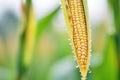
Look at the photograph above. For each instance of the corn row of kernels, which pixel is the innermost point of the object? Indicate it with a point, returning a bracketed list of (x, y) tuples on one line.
[(80, 37)]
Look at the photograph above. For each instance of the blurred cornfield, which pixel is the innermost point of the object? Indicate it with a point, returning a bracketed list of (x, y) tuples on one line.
[(34, 43)]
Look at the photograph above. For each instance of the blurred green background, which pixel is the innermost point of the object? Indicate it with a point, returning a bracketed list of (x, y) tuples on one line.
[(52, 57)]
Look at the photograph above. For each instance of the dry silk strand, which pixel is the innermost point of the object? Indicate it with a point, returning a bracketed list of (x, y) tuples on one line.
[(75, 13)]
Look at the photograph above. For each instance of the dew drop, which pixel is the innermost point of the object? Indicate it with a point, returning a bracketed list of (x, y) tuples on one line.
[(77, 66), (66, 30), (91, 41), (83, 78), (90, 50), (90, 55), (60, 3), (68, 39), (70, 44), (72, 51), (74, 59), (90, 72)]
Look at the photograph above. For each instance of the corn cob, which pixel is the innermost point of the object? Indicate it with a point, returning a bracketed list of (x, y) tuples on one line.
[(30, 36), (29, 30), (78, 27)]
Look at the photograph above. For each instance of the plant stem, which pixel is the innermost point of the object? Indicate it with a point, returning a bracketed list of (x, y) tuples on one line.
[(21, 67), (115, 5)]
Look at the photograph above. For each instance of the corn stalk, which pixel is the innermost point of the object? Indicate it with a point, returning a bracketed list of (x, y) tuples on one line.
[(115, 6), (27, 36)]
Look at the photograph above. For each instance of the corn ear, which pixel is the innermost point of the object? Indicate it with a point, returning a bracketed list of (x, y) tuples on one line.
[(75, 12), (30, 37), (28, 28)]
